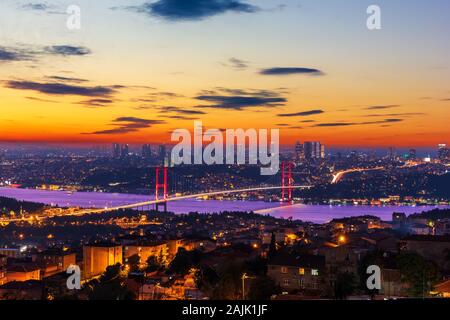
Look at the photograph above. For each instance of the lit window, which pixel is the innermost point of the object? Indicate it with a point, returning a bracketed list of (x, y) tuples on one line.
[(284, 270), (301, 271), (286, 282), (314, 272)]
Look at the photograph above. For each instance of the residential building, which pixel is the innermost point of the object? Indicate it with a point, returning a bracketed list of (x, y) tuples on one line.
[(303, 272), (97, 257)]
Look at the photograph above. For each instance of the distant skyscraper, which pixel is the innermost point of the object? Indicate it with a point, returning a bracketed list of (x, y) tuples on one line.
[(116, 150), (392, 153), (322, 151), (313, 150), (412, 154), (443, 151), (308, 150), (146, 151), (299, 154), (162, 153), (124, 151)]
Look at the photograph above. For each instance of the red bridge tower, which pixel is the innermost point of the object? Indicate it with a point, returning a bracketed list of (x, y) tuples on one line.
[(159, 186), (286, 181)]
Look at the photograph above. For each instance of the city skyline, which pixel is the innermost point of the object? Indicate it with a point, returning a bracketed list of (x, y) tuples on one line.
[(313, 70)]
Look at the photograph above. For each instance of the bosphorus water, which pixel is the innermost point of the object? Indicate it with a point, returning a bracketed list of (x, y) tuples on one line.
[(305, 212)]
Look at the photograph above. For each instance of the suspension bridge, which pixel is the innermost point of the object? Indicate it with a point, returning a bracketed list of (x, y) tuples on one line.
[(162, 196)]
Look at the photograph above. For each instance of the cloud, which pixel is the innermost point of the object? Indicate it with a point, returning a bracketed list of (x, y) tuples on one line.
[(192, 10), (290, 71), (30, 53), (179, 117), (236, 64), (390, 106), (36, 6), (180, 110), (346, 124), (125, 125), (238, 99), (67, 79), (41, 100), (61, 88), (335, 124), (66, 50), (41, 7), (166, 95), (406, 114), (301, 114), (100, 102), (14, 54)]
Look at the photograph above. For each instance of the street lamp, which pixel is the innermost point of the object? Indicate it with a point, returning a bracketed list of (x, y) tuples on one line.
[(244, 276)]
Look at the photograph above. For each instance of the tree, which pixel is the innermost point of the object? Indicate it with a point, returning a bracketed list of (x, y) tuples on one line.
[(153, 264), (418, 272), (229, 286), (257, 266), (272, 247), (344, 286), (262, 288), (134, 262), (206, 279), (181, 263), (184, 261), (110, 285)]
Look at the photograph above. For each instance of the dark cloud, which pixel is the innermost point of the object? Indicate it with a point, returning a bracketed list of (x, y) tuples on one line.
[(336, 124), (41, 7), (180, 110), (61, 88), (36, 6), (406, 114), (238, 99), (308, 121), (178, 117), (236, 64), (66, 50), (167, 94), (390, 106), (192, 10), (67, 79), (41, 100), (97, 102), (31, 53), (347, 124), (289, 71), (301, 114), (125, 125), (14, 54)]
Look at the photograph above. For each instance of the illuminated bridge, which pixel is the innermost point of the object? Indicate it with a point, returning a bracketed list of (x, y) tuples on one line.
[(177, 198), (162, 198)]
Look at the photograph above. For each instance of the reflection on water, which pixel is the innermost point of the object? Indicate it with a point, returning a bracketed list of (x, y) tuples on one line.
[(313, 213)]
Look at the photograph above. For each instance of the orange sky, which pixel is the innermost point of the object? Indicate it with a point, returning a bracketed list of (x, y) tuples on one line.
[(363, 88)]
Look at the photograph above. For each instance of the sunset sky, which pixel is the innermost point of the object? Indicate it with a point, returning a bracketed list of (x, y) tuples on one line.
[(139, 69)]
